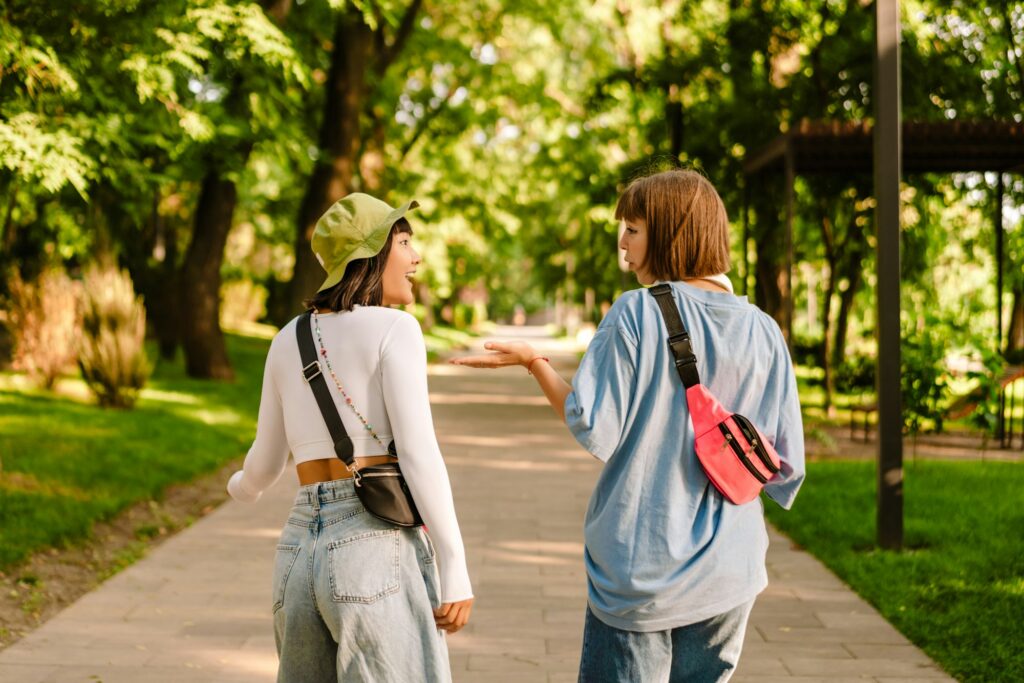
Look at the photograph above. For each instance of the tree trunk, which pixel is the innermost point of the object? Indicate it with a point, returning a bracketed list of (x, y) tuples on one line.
[(674, 119), (826, 346), (770, 285), (206, 355), (151, 257), (339, 140), (846, 298)]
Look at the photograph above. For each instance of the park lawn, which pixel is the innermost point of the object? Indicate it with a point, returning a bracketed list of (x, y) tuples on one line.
[(957, 591), (67, 463)]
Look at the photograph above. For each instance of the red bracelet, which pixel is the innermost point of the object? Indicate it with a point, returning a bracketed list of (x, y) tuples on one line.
[(534, 360)]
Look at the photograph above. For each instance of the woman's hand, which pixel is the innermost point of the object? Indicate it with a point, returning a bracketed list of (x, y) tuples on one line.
[(503, 354), (452, 616)]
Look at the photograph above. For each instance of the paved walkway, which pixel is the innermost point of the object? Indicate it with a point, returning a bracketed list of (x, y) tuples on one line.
[(196, 610)]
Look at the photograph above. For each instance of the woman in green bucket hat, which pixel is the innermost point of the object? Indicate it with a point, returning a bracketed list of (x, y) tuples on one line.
[(356, 598)]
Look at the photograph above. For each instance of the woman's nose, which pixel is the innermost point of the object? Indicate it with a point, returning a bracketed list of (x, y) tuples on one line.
[(415, 257)]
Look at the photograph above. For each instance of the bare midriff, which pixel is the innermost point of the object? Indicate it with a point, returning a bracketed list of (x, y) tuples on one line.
[(328, 469)]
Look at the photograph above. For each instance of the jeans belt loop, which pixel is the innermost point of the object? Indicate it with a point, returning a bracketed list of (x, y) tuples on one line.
[(316, 498)]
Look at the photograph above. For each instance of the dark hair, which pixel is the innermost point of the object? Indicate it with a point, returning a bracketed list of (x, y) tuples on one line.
[(687, 227), (362, 283)]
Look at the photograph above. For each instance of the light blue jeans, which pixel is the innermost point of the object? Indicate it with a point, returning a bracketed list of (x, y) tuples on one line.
[(705, 652), (354, 596)]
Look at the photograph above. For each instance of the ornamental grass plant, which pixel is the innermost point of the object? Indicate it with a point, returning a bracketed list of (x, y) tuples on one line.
[(111, 352), (43, 319)]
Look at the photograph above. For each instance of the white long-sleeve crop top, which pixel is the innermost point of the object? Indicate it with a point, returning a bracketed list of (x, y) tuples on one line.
[(379, 356)]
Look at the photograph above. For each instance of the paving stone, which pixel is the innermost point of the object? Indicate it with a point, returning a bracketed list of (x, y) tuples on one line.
[(863, 667), (744, 676), (11, 672)]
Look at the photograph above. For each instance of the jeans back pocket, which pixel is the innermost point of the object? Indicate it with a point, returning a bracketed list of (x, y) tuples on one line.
[(284, 560), (365, 568)]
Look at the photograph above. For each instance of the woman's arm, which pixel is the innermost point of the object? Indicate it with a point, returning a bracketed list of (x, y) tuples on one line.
[(269, 452), (404, 382), (505, 354)]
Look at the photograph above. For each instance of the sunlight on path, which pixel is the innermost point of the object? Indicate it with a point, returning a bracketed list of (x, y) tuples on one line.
[(197, 609)]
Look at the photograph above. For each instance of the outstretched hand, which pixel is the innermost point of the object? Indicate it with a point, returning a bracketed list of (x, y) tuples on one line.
[(503, 354)]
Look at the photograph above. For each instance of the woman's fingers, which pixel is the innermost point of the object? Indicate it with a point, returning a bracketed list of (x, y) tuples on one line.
[(489, 360), (452, 616), (502, 354)]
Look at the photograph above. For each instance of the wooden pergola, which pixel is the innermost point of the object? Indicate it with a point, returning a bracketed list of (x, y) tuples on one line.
[(846, 147), (911, 147)]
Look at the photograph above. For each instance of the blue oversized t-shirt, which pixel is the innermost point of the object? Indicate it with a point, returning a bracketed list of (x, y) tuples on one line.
[(663, 548)]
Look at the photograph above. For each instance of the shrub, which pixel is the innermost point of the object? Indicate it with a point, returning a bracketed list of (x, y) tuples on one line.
[(43, 319), (111, 354), (924, 378), (242, 301), (856, 374)]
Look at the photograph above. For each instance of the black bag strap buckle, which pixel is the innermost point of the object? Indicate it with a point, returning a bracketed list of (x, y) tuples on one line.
[(310, 376), (679, 338)]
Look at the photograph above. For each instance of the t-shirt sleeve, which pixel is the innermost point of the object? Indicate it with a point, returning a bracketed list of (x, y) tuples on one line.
[(404, 382), (269, 452), (597, 408), (789, 434)]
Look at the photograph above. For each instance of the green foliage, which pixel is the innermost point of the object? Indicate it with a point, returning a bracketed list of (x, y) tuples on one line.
[(856, 374), (987, 387), (515, 122), (111, 354), (956, 590), (923, 373)]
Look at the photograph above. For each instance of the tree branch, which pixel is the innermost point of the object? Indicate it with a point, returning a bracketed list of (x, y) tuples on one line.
[(405, 29), (424, 124), (1008, 22)]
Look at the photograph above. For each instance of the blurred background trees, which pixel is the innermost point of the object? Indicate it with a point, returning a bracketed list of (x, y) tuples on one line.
[(195, 143)]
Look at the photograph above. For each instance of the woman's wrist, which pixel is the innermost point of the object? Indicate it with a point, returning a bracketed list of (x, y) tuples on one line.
[(529, 364)]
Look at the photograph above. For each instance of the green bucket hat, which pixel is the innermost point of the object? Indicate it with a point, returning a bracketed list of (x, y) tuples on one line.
[(356, 226)]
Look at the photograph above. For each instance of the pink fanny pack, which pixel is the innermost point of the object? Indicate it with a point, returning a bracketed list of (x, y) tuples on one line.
[(735, 455)]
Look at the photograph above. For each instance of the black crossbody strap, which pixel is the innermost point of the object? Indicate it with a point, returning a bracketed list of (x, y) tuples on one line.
[(312, 373), (678, 337)]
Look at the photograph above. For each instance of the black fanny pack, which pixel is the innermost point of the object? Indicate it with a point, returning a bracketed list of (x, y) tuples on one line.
[(381, 488)]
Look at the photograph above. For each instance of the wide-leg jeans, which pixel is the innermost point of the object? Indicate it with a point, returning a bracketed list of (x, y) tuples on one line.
[(705, 652), (353, 595)]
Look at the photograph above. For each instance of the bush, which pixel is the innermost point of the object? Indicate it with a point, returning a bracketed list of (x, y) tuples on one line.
[(111, 354), (924, 378), (856, 374), (241, 302), (43, 319)]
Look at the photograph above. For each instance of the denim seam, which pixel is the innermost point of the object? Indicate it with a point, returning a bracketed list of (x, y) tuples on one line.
[(310, 583), (431, 553), (279, 591), (393, 586), (347, 516)]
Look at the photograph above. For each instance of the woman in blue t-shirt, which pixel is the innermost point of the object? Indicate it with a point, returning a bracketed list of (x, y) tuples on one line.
[(672, 567)]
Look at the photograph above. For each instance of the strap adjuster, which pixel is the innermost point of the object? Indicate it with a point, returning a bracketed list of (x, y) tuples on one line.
[(680, 362), (308, 375)]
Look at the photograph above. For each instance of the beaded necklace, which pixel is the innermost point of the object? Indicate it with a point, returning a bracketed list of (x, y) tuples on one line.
[(348, 400)]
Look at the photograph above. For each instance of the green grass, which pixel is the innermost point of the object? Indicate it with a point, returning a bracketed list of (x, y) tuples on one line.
[(957, 591), (68, 464)]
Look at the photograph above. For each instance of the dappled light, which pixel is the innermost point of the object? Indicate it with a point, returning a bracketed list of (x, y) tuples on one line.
[(164, 165)]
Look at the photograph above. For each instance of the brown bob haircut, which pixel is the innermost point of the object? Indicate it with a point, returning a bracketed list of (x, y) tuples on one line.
[(363, 281), (687, 227)]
